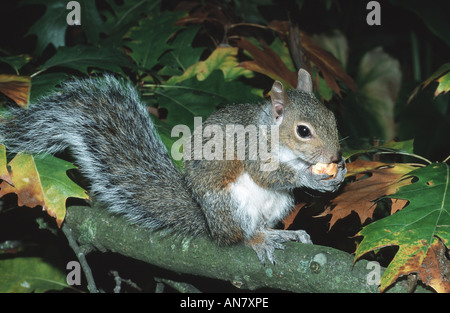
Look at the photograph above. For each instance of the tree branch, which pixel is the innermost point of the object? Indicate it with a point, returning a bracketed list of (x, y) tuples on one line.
[(299, 268)]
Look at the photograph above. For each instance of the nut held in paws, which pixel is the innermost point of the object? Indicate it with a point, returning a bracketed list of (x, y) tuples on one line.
[(324, 168)]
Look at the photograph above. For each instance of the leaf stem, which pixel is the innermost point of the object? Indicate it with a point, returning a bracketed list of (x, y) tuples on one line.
[(248, 24), (184, 87), (38, 72), (406, 153)]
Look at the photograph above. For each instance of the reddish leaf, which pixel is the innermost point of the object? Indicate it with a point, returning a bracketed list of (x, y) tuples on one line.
[(361, 195), (200, 14), (267, 62), (288, 220), (328, 65)]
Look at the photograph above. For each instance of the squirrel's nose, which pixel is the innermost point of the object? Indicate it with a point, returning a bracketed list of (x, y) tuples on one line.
[(336, 157)]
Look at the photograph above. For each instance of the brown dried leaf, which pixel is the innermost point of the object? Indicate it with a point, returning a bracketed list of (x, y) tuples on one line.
[(435, 268), (397, 205), (361, 195), (16, 87)]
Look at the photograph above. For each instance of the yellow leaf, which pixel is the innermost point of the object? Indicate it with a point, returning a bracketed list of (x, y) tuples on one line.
[(223, 58), (4, 174), (42, 181), (25, 182), (444, 84)]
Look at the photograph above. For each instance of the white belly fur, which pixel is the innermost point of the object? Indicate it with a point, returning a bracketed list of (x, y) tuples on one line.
[(258, 207)]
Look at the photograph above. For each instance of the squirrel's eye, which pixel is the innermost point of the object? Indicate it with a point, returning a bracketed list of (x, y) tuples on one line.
[(303, 131)]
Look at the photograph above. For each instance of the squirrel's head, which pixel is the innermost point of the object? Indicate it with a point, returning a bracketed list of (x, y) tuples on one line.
[(307, 127)]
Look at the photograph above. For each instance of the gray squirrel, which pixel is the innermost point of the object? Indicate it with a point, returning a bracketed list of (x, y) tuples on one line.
[(107, 129)]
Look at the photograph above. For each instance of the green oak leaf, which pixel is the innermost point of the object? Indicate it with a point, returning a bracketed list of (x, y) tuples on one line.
[(181, 54), (191, 97), (412, 229), (45, 83), (82, 57), (26, 274), (402, 147), (51, 27), (16, 61), (148, 40)]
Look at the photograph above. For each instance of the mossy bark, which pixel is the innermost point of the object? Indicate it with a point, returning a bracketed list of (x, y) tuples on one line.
[(299, 268)]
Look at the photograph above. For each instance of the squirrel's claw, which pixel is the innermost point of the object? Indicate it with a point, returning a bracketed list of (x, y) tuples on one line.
[(265, 242)]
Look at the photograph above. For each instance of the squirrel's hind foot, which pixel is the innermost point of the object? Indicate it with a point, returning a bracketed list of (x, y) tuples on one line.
[(266, 241)]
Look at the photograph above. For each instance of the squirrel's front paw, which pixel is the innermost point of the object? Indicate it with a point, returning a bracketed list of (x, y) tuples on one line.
[(265, 242)]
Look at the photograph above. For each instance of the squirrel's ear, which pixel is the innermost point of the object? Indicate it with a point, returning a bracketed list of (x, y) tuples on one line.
[(304, 81), (278, 98)]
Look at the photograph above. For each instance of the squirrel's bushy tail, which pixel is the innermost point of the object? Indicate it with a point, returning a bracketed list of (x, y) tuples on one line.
[(108, 130)]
